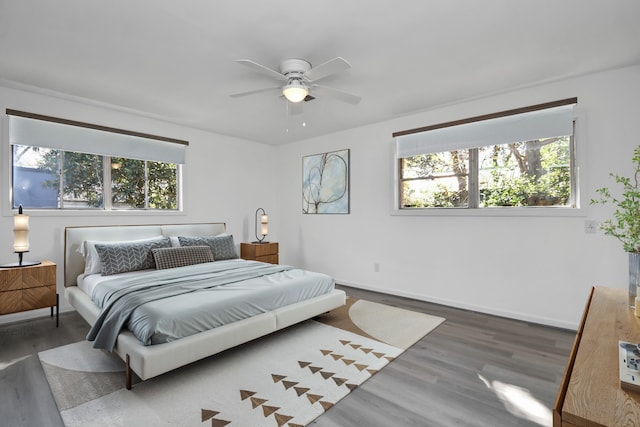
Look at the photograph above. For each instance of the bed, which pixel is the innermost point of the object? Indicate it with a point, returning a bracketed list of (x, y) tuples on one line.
[(162, 352)]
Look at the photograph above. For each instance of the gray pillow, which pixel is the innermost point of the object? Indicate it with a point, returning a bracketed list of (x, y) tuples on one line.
[(92, 259), (130, 256), (181, 257), (222, 245)]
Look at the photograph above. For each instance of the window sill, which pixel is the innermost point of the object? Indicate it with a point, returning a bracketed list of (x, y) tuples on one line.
[(91, 213), (493, 212)]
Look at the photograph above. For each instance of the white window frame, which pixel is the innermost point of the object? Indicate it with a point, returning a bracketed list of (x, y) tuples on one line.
[(516, 211)]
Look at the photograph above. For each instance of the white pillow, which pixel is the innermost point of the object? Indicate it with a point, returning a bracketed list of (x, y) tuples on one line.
[(175, 243), (92, 264)]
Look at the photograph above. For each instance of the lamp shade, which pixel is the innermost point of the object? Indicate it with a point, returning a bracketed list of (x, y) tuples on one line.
[(264, 225), (264, 222), (20, 232), (295, 91)]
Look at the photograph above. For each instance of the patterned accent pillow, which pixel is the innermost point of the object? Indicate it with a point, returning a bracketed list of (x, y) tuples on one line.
[(222, 245), (181, 257), (92, 259), (130, 256)]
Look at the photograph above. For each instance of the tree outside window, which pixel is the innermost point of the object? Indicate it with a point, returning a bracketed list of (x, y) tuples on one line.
[(523, 174), (55, 179)]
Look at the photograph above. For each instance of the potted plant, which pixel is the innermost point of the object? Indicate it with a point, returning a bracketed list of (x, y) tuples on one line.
[(625, 224)]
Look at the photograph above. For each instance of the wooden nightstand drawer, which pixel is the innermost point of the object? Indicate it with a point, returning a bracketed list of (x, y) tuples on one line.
[(265, 252), (28, 288), (44, 296), (10, 279), (272, 259), (265, 249), (10, 302), (37, 276)]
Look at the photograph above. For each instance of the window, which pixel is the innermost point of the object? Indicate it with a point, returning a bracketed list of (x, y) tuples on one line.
[(58, 165), (517, 158)]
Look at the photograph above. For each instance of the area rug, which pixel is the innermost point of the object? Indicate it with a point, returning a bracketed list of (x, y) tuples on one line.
[(288, 378)]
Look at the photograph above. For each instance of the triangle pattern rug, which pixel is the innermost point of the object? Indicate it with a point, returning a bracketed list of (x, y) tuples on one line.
[(288, 378)]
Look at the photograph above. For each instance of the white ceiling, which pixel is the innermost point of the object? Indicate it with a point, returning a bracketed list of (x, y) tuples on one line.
[(175, 60)]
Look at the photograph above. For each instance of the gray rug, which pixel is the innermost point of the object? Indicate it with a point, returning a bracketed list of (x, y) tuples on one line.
[(285, 379)]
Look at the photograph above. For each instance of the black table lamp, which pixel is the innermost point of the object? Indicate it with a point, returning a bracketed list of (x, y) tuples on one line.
[(264, 226)]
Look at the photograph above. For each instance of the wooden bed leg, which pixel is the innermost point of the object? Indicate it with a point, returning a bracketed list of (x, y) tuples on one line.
[(128, 373)]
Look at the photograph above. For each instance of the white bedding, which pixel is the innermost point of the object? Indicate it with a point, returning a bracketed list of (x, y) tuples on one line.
[(150, 361), (88, 282), (168, 319)]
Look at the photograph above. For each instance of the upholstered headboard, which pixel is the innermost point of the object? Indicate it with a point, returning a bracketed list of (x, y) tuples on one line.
[(74, 236)]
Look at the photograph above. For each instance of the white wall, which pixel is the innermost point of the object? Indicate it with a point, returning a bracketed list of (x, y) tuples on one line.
[(225, 179), (531, 268)]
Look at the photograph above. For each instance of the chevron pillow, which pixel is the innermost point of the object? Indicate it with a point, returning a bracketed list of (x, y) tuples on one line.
[(222, 245), (181, 257), (92, 259), (130, 256)]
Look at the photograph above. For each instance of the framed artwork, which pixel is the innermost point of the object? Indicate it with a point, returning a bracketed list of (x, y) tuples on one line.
[(325, 183)]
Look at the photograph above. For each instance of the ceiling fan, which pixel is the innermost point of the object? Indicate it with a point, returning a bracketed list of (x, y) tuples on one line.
[(300, 80)]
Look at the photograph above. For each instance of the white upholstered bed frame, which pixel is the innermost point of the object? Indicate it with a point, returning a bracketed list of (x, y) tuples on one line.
[(150, 361)]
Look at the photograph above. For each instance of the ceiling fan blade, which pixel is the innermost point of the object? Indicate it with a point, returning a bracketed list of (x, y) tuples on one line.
[(252, 92), (323, 70), (338, 94), (262, 69)]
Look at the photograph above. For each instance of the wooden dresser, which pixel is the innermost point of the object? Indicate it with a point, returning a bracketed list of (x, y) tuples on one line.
[(590, 392), (28, 288), (265, 252)]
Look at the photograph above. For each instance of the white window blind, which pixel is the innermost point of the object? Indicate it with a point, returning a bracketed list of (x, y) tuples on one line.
[(85, 139), (543, 123)]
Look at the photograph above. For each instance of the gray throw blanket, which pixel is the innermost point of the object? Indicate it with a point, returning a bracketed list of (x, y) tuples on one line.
[(119, 297)]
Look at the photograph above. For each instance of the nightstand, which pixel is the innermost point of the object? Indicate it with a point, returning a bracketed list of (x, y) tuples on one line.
[(28, 288), (265, 252)]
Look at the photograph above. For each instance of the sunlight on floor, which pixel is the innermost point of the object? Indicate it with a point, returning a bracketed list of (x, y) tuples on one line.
[(519, 402), (5, 365)]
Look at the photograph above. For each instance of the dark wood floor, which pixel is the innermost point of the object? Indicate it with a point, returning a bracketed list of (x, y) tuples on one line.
[(473, 370)]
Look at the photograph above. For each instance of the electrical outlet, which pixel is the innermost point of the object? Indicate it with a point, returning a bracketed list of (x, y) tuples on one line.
[(590, 226)]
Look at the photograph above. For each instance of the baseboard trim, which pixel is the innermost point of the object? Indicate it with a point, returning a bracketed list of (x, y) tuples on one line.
[(33, 314), (466, 306)]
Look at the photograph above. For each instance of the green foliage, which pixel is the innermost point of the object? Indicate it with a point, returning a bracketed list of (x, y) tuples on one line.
[(83, 176), (546, 184), (625, 224), (432, 164), (128, 180), (132, 181), (127, 183), (434, 171), (163, 185), (529, 173), (443, 197)]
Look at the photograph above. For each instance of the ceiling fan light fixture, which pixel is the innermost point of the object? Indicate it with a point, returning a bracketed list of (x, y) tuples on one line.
[(295, 91)]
